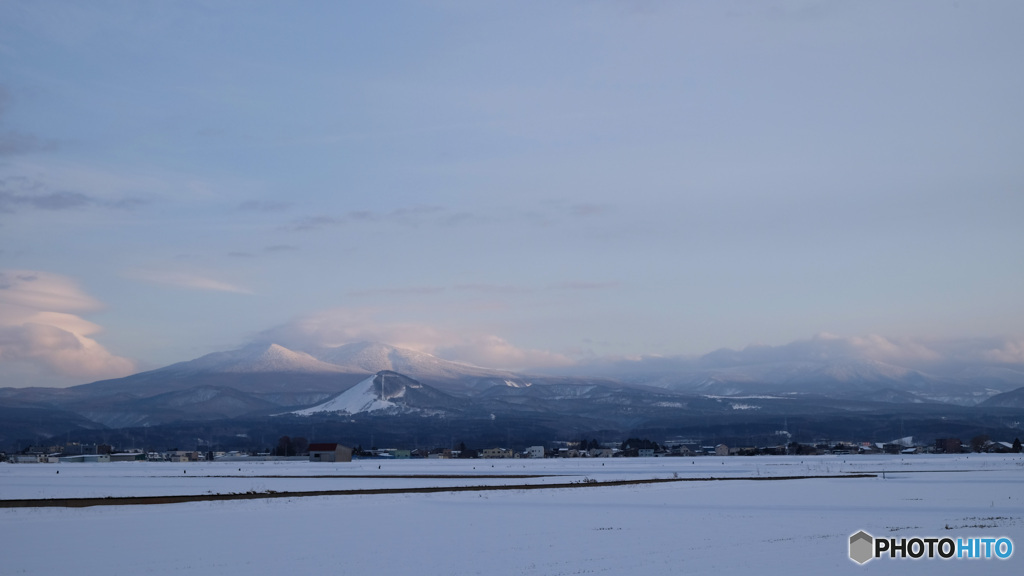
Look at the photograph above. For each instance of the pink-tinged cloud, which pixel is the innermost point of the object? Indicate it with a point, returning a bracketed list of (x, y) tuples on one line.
[(187, 280), (42, 341), (345, 325), (495, 352)]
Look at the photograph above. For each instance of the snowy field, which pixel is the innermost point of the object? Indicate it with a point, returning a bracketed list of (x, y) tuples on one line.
[(728, 527)]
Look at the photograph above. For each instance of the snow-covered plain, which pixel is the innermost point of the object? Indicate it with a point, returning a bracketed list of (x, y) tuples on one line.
[(727, 527)]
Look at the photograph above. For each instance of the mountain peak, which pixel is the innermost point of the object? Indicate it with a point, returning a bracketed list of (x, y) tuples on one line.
[(385, 390), (255, 358)]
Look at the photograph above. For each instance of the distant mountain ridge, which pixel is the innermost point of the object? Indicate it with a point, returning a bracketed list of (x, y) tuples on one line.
[(371, 380)]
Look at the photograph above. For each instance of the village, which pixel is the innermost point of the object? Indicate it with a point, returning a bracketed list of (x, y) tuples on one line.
[(299, 449)]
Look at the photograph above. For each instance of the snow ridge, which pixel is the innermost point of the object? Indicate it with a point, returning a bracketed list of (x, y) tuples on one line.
[(366, 396)]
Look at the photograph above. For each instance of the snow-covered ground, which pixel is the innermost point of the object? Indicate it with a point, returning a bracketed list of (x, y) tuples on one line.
[(741, 527)]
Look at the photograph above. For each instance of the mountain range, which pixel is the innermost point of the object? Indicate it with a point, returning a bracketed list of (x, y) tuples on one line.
[(361, 385)]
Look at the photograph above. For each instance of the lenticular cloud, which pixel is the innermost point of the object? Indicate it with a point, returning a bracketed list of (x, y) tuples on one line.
[(42, 338)]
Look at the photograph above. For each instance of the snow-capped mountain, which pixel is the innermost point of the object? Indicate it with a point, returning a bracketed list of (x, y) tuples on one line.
[(365, 396), (363, 382), (257, 358), (385, 391), (731, 373), (372, 357)]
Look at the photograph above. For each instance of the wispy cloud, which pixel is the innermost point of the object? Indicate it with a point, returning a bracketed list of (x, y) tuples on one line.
[(411, 290), (409, 216), (346, 325), (281, 248), (485, 288), (587, 209), (186, 280), (13, 142), (579, 285), (308, 223), (493, 288), (19, 192), (496, 352), (263, 206), (908, 352)]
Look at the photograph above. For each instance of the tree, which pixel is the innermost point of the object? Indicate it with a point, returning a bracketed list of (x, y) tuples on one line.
[(978, 443), (284, 446), (1016, 445)]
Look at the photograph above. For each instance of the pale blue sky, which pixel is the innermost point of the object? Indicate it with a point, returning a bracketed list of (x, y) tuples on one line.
[(524, 184)]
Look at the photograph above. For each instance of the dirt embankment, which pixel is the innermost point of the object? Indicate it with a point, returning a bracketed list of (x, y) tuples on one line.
[(145, 500)]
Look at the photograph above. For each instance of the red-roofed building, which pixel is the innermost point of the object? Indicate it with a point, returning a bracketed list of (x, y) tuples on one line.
[(329, 452)]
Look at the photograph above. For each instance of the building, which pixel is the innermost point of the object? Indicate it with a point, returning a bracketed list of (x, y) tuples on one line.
[(82, 458), (721, 450), (645, 452), (535, 452), (329, 452), (496, 453), (128, 457)]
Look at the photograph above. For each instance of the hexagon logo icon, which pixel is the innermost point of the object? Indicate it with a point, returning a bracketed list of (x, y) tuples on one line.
[(861, 547)]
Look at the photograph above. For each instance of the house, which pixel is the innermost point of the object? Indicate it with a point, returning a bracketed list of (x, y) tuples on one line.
[(680, 449), (496, 453), (999, 447), (645, 452), (329, 452), (721, 450), (535, 452)]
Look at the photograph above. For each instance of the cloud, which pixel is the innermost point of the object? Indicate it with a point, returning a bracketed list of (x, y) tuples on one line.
[(587, 209), (263, 206), (578, 285), (42, 339), (308, 223), (1008, 352), (281, 248), (519, 289), (408, 216), (267, 250), (345, 325), (187, 280), (484, 288), (20, 192), (493, 288), (496, 352), (14, 142), (412, 290), (923, 354)]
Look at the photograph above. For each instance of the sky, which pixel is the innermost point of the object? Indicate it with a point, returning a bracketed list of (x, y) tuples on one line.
[(511, 184)]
